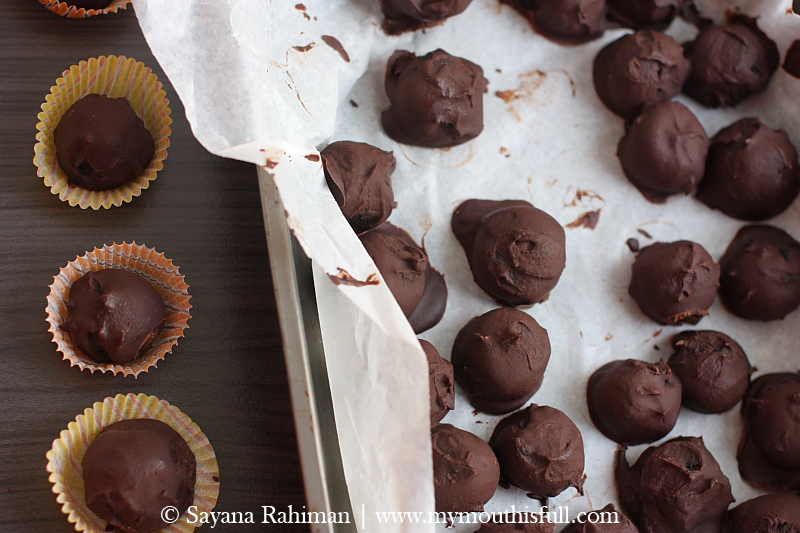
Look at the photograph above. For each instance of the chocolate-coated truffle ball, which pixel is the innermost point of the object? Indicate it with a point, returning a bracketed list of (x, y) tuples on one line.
[(664, 151), (769, 454), (792, 62), (359, 176), (436, 100), (134, 469), (677, 487), (606, 520), (638, 14), (564, 21), (418, 288), (760, 274), (713, 369), (499, 359), (730, 63), (540, 450), (674, 283), (409, 15), (634, 402), (514, 522), (516, 252), (442, 389), (640, 68), (101, 143), (778, 512), (752, 171), (465, 470), (114, 315)]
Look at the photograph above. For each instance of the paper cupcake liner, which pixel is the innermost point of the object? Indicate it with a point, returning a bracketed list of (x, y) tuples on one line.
[(65, 458), (65, 9), (162, 274), (115, 77)]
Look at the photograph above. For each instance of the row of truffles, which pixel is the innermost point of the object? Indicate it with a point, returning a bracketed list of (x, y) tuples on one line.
[(758, 278)]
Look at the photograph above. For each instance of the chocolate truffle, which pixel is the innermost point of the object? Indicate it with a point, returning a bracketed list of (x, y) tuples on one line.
[(638, 14), (436, 100), (640, 68), (792, 62), (442, 389), (516, 252), (769, 454), (418, 288), (359, 176), (713, 369), (606, 520), (729, 63), (760, 274), (677, 487), (564, 21), (664, 151), (752, 171), (513, 522), (135, 468), (465, 470), (540, 450), (101, 143), (634, 402), (674, 283), (778, 512), (114, 315), (499, 359), (409, 15)]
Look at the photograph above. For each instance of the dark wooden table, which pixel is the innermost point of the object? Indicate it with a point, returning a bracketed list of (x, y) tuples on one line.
[(203, 212)]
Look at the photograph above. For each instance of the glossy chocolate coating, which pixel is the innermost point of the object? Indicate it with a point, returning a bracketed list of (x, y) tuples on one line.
[(713, 369), (674, 283), (114, 315), (135, 468), (664, 151), (499, 359), (101, 143), (516, 252), (769, 454), (409, 15), (791, 64), (89, 4), (677, 487), (638, 69), (359, 176), (634, 402), (564, 21), (730, 63), (760, 273), (513, 522), (442, 384), (540, 450), (639, 14), (436, 100), (778, 512), (613, 524), (418, 288), (465, 470), (752, 171)]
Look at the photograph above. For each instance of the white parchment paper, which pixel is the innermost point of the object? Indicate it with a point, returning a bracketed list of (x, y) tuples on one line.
[(259, 84)]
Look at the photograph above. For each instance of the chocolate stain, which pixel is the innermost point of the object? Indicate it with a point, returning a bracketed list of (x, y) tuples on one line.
[(334, 43), (271, 164), (353, 103), (301, 7), (587, 220), (305, 48), (345, 278), (643, 232), (312, 157), (582, 194), (633, 245)]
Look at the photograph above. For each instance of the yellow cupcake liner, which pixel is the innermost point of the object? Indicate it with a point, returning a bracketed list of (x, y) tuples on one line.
[(115, 77), (162, 274), (65, 9), (65, 458)]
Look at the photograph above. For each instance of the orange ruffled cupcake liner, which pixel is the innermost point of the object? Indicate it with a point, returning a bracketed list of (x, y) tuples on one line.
[(157, 269), (114, 76), (65, 9), (65, 457)]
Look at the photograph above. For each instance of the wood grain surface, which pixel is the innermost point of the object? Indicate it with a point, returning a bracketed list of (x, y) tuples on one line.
[(203, 212)]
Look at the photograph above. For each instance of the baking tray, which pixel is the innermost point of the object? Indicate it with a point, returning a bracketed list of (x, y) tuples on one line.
[(318, 442)]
